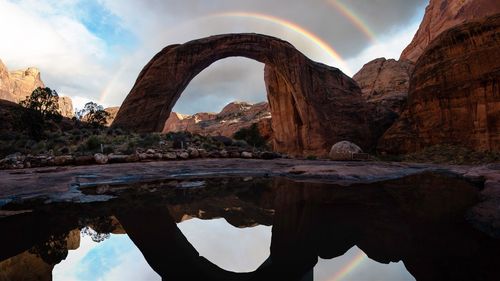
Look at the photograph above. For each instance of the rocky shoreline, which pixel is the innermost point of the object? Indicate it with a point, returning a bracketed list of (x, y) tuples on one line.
[(65, 184), (20, 161)]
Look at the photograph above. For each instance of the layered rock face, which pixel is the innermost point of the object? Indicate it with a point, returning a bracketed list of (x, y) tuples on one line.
[(24, 82), (66, 107), (454, 93), (112, 111), (15, 86), (232, 118), (313, 105), (441, 15), (5, 85), (384, 84)]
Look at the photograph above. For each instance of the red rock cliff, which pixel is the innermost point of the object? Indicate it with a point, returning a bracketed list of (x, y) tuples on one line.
[(454, 92), (441, 15)]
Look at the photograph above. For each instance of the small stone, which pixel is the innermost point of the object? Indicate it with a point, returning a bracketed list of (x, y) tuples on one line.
[(183, 155), (170, 156), (246, 154), (100, 158), (63, 160), (266, 155), (142, 156), (193, 153), (234, 154), (203, 153), (114, 158), (223, 153), (150, 151), (79, 160)]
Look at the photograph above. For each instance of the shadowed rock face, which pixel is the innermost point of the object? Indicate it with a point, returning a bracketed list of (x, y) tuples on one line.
[(384, 84), (454, 93), (440, 15), (313, 105)]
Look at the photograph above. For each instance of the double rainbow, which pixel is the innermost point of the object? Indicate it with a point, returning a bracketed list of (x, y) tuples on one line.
[(318, 41)]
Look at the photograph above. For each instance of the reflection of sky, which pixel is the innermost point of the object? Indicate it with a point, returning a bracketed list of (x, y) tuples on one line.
[(231, 248), (116, 258), (351, 268)]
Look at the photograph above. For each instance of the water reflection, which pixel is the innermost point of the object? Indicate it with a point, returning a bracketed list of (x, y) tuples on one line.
[(417, 220)]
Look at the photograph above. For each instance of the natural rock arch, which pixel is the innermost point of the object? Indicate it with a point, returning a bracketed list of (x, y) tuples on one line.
[(313, 105)]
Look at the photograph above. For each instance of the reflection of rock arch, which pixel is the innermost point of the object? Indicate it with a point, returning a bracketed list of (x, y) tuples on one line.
[(172, 256), (313, 105)]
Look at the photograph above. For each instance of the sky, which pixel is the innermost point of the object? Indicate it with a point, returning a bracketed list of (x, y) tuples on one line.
[(230, 248), (95, 49)]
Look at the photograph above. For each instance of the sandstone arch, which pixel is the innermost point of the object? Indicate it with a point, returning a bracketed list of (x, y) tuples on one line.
[(313, 105)]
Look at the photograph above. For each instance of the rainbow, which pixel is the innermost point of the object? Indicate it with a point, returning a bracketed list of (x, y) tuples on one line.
[(349, 267), (294, 27), (354, 19)]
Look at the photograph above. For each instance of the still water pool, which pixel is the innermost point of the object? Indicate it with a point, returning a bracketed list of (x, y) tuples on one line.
[(413, 228)]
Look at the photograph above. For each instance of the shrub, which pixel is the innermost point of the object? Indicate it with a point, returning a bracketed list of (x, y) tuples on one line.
[(251, 135), (94, 114)]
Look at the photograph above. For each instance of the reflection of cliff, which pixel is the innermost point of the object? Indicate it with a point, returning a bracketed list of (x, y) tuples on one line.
[(419, 220), (38, 262)]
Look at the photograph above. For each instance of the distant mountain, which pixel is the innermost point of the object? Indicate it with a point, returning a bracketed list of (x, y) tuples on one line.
[(15, 86), (232, 118)]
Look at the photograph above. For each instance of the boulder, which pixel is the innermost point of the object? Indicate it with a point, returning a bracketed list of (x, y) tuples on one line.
[(344, 151)]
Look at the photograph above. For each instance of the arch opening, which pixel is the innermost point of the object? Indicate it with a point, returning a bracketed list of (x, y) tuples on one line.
[(227, 96)]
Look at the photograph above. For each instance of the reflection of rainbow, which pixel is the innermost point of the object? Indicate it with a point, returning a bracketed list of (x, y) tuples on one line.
[(354, 19), (349, 267), (293, 26)]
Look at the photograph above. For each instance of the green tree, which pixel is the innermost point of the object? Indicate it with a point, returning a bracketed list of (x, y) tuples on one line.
[(93, 114), (251, 135), (42, 106)]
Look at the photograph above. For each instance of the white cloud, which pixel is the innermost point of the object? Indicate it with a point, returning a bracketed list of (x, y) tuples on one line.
[(69, 56), (390, 46)]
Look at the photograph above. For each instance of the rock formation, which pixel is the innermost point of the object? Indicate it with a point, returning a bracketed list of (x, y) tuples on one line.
[(232, 118), (5, 84), (66, 107), (454, 92), (24, 82), (313, 105), (112, 111), (384, 84), (15, 86), (441, 15)]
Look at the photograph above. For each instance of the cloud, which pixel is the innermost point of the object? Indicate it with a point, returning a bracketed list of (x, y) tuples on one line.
[(114, 259), (96, 48), (390, 47)]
